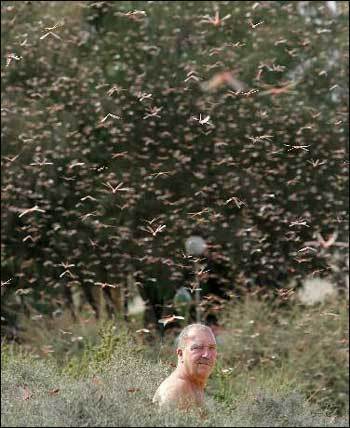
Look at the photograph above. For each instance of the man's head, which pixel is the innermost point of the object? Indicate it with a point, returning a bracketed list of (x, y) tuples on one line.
[(196, 352)]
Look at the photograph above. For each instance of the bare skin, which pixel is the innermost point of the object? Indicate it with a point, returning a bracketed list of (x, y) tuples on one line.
[(184, 388)]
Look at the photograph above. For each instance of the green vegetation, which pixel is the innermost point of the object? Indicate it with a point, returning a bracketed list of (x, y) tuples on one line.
[(275, 368)]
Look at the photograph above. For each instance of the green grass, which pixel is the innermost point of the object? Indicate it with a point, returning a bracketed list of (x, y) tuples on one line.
[(285, 367)]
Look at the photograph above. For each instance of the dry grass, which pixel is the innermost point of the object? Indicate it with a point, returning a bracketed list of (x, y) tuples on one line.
[(274, 366), (34, 393)]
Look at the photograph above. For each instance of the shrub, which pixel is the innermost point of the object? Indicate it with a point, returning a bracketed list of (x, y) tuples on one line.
[(119, 390), (297, 347)]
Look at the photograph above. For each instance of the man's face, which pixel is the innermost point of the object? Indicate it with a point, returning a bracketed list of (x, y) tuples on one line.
[(199, 354)]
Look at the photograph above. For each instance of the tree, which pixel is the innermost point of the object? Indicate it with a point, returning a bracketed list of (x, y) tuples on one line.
[(129, 124)]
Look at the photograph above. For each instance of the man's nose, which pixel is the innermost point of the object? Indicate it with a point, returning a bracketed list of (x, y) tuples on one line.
[(206, 353)]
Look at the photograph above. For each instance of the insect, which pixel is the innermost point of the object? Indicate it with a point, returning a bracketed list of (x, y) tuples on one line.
[(307, 248), (7, 110), (10, 57), (66, 265), (317, 162), (193, 288), (280, 41), (326, 243), (202, 121), (205, 210), (135, 15), (37, 317), (153, 112), (252, 25), (85, 216), (105, 284), (250, 92), (53, 391), (11, 159), (76, 338), (67, 272), (143, 330), (122, 207), (221, 79), (150, 222), (302, 260), (58, 25), (117, 188), (300, 222), (113, 89), (88, 197), (65, 332), (192, 75), (158, 174), (170, 319), (216, 51), (260, 138), (154, 232), (21, 291), (4, 283), (216, 20), (291, 52), (30, 210), (41, 163), (73, 165), (202, 271), (305, 147), (93, 243), (300, 130), (237, 201), (51, 33), (119, 155), (144, 96), (279, 89), (29, 237), (293, 181), (235, 45), (110, 115)]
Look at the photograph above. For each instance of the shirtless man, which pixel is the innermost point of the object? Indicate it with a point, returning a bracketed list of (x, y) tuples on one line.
[(196, 353)]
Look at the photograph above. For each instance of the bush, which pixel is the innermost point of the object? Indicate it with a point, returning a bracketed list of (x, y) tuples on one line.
[(303, 348), (118, 391)]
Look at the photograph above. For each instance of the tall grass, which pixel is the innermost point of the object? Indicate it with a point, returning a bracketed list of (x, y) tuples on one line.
[(296, 347), (276, 368)]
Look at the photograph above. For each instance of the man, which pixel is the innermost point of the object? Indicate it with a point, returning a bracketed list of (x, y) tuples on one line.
[(196, 353)]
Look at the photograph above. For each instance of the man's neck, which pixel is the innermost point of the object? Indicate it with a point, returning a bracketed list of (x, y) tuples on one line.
[(196, 383)]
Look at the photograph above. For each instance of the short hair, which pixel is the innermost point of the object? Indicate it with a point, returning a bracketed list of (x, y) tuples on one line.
[(180, 342)]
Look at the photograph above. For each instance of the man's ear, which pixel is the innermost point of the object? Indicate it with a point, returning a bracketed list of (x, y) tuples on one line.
[(179, 352)]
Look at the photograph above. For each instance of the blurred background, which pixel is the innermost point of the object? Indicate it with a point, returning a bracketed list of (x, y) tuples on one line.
[(129, 127)]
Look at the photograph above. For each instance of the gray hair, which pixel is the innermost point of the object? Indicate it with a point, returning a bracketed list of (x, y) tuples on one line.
[(181, 339)]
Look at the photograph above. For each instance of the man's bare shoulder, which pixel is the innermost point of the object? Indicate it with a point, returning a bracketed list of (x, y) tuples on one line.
[(171, 390)]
